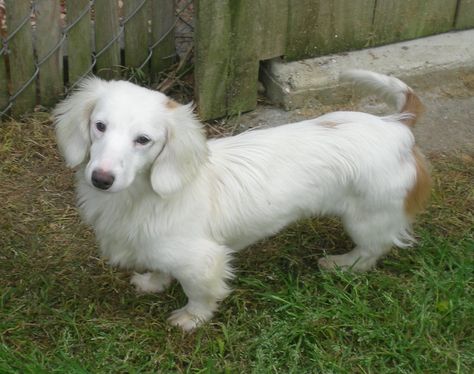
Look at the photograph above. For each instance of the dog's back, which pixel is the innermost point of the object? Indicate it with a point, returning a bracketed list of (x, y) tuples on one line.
[(352, 164)]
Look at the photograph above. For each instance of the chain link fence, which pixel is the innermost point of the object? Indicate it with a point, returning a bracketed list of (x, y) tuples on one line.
[(49, 46)]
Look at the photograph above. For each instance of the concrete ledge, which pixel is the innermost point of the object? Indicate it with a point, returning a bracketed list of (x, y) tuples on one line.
[(421, 63)]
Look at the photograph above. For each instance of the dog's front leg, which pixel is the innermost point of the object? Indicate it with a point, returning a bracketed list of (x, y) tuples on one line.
[(203, 277)]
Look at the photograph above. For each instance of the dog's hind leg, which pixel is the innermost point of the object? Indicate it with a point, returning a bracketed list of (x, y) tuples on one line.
[(151, 282), (374, 235)]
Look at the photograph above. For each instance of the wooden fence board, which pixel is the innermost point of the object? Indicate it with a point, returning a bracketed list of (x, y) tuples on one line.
[(318, 27), (106, 30), (21, 56), (244, 60), (465, 14), (401, 20), (51, 69), (79, 47), (136, 32), (271, 27), (212, 57), (227, 57), (163, 18)]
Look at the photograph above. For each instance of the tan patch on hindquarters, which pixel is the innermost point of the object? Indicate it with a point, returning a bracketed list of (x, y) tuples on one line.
[(413, 105), (418, 196)]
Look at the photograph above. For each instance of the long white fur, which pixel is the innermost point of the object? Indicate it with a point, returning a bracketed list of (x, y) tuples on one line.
[(181, 205)]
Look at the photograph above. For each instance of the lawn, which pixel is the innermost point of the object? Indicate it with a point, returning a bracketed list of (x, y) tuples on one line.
[(64, 310)]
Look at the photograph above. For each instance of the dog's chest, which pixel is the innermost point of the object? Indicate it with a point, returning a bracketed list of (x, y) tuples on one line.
[(126, 228)]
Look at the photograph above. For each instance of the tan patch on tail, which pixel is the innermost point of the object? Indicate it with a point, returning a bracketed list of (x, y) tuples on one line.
[(413, 105), (171, 104), (419, 194)]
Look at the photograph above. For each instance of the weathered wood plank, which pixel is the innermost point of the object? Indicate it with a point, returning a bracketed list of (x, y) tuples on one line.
[(50, 59), (317, 27), (227, 58), (271, 27), (107, 31), (212, 57), (136, 32), (244, 60), (21, 56), (79, 45), (401, 20), (465, 14), (163, 19)]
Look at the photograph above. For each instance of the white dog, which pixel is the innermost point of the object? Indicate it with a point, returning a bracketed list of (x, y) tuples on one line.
[(166, 202)]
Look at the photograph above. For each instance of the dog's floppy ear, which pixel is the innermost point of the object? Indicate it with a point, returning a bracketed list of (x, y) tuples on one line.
[(71, 117), (184, 152)]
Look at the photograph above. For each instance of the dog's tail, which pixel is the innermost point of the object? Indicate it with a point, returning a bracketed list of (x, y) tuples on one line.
[(392, 91)]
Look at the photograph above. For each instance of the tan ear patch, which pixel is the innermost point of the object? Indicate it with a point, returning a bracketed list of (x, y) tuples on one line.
[(419, 194), (171, 104)]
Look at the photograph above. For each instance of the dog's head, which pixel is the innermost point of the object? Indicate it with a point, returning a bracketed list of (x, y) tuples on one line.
[(120, 130)]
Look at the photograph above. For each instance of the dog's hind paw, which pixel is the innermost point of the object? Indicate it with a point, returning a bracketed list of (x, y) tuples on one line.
[(150, 282)]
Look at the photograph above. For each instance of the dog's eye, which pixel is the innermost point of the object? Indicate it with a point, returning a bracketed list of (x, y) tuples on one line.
[(101, 126), (142, 139)]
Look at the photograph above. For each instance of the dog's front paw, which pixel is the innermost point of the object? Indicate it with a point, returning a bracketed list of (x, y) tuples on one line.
[(188, 320), (150, 282)]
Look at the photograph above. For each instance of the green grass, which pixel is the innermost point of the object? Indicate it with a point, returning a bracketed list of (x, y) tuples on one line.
[(63, 310)]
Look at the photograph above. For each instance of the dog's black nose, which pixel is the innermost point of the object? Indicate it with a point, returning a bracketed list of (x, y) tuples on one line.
[(102, 179)]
